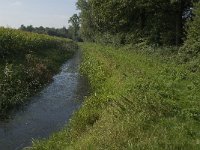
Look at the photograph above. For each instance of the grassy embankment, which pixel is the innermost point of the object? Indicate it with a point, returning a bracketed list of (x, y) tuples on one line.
[(27, 62), (138, 101)]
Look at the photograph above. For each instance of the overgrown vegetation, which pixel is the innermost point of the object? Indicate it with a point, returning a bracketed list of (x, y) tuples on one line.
[(138, 101), (28, 61)]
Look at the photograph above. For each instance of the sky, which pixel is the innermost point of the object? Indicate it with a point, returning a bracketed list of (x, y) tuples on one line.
[(47, 13)]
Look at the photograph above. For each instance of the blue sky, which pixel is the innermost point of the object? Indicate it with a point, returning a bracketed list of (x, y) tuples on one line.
[(48, 13)]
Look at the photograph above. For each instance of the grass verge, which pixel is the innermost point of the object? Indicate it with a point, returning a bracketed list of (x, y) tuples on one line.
[(138, 101)]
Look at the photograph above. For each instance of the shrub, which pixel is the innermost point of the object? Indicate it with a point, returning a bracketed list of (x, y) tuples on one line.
[(27, 62), (191, 47), (15, 42)]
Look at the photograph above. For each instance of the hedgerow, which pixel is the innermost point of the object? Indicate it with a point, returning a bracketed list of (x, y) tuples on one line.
[(27, 62)]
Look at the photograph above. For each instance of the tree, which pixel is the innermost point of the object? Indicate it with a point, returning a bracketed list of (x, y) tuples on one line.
[(158, 21), (87, 29), (179, 7), (75, 22), (191, 47), (61, 32), (22, 27)]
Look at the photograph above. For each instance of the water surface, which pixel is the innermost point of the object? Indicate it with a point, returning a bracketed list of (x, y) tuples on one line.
[(48, 111)]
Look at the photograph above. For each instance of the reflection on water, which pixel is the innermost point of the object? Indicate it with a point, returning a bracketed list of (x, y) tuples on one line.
[(48, 111)]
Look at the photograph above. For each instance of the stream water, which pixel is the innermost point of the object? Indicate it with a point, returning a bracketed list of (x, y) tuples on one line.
[(47, 112)]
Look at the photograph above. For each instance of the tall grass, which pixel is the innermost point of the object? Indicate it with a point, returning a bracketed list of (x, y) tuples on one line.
[(27, 62), (138, 101)]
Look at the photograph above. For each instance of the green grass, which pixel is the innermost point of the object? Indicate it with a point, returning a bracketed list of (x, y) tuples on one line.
[(27, 63), (138, 101)]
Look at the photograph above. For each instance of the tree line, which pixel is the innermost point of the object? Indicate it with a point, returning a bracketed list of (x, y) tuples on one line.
[(161, 22), (58, 32)]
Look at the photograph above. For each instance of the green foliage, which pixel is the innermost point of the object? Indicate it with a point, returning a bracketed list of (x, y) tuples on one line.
[(87, 29), (19, 82), (138, 101), (16, 42), (27, 62), (159, 21), (61, 32), (107, 38), (75, 27), (191, 47)]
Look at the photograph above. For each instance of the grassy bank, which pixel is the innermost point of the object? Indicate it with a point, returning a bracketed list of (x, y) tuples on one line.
[(27, 62), (138, 101)]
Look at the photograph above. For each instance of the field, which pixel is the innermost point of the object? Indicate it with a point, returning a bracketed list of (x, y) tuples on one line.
[(27, 62), (139, 100)]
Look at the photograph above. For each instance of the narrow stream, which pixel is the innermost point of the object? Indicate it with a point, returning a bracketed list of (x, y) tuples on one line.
[(48, 111)]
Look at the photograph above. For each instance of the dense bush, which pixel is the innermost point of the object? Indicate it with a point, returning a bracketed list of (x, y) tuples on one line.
[(27, 62), (16, 42), (19, 82)]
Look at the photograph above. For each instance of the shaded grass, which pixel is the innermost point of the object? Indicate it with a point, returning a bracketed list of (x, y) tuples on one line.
[(138, 101)]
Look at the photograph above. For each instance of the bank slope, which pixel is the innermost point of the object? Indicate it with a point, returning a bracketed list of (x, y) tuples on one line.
[(138, 101)]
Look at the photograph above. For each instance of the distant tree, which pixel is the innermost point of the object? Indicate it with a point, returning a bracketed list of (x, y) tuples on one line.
[(30, 28), (41, 30), (75, 24), (61, 32), (22, 27)]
